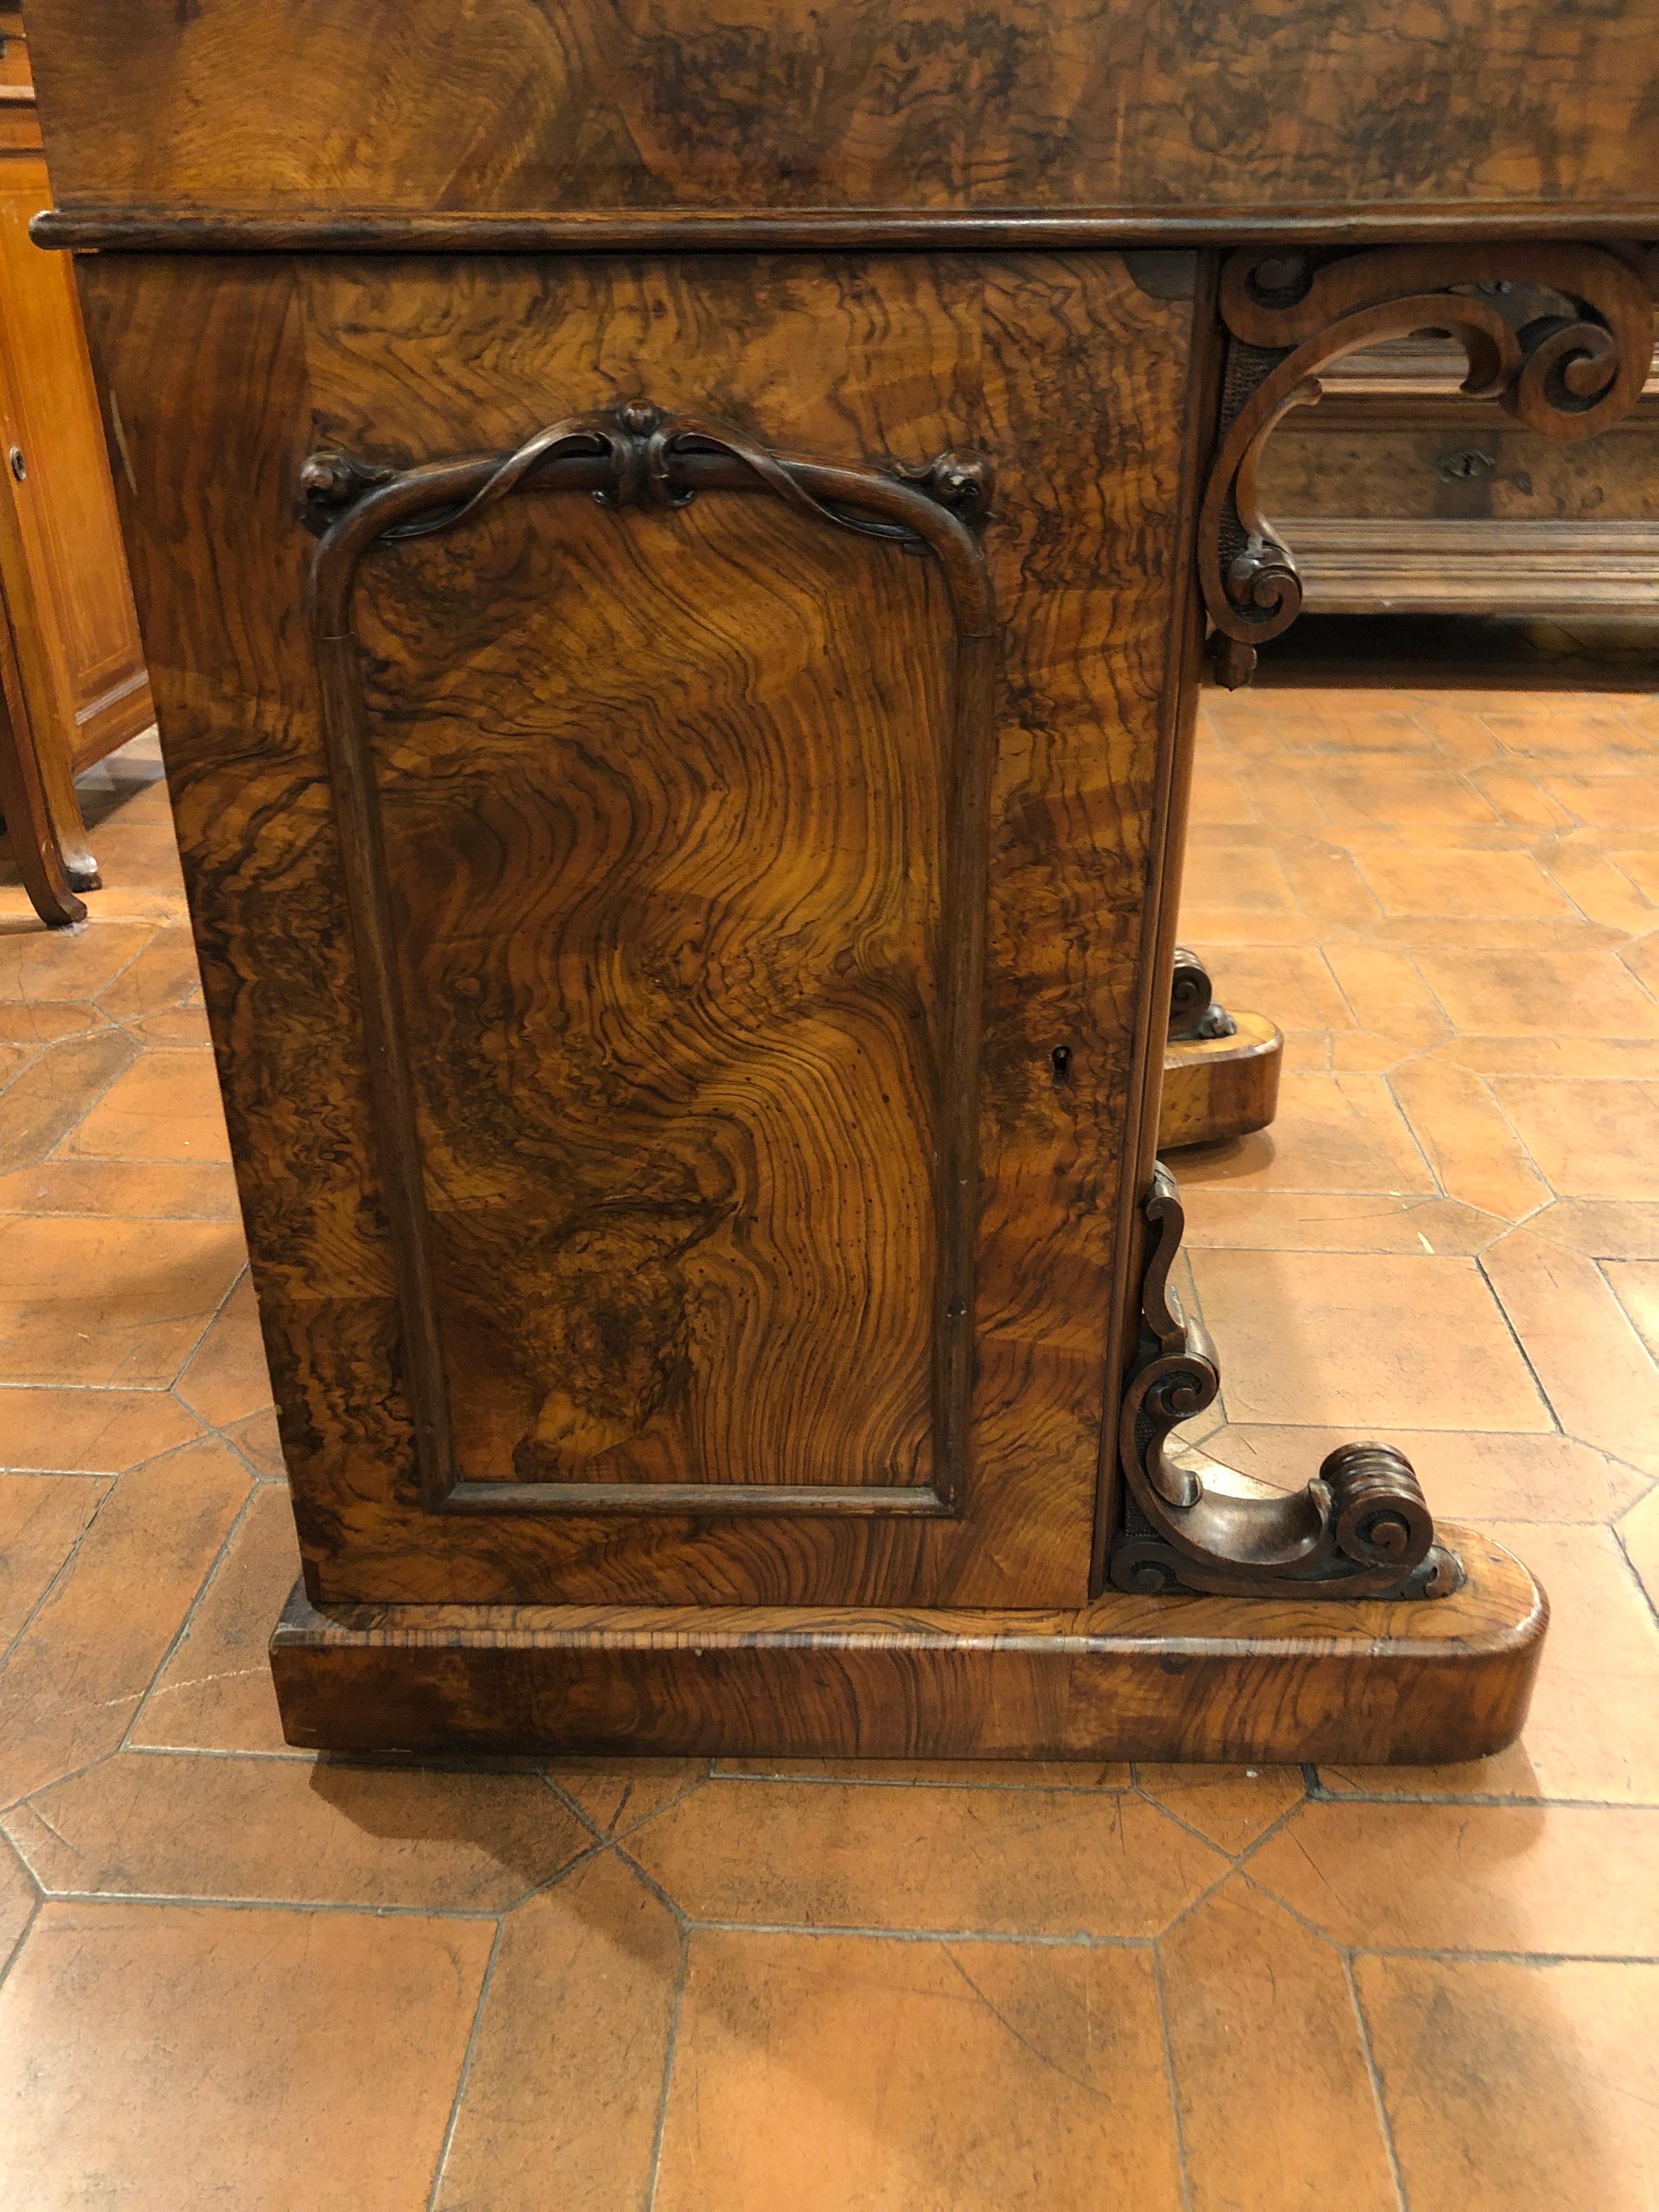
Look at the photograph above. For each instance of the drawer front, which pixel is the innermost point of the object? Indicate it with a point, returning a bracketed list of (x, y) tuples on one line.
[(673, 954)]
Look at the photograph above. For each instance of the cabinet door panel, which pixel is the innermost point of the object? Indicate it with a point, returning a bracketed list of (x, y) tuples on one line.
[(663, 798)]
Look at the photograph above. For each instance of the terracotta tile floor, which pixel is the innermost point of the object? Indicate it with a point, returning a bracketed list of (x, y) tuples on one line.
[(243, 1977)]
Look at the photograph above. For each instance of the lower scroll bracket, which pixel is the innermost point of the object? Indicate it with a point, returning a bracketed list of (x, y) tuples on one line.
[(1361, 1529)]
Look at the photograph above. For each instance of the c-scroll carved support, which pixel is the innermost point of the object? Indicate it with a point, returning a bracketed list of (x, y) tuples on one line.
[(1288, 314), (1360, 1528)]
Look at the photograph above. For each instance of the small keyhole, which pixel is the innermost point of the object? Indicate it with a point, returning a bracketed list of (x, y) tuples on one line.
[(20, 467), (1060, 1060)]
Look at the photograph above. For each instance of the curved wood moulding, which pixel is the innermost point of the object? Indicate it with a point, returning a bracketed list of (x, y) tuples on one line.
[(679, 230), (1360, 1528), (1289, 313), (636, 456)]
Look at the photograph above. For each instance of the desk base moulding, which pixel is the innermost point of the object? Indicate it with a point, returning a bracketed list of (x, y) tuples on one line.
[(1128, 1677)]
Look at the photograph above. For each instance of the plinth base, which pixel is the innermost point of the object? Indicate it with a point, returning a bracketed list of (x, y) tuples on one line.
[(1219, 1087), (1128, 1677)]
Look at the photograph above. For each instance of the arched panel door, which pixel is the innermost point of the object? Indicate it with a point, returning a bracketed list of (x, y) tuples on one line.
[(664, 828)]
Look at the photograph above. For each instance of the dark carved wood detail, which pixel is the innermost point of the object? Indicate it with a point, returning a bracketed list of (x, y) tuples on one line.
[(1289, 314), (637, 455), (114, 229), (1193, 1013), (1360, 1528)]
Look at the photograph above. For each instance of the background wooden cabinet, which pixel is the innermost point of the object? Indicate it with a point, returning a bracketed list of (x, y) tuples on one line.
[(1402, 495), (70, 663)]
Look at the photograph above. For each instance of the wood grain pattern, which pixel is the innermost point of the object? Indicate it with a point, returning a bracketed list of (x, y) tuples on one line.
[(672, 1023), (1071, 374), (548, 103), (1219, 1087), (1128, 1677)]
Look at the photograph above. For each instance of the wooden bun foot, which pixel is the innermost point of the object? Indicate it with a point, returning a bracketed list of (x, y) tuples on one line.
[(1219, 1087)]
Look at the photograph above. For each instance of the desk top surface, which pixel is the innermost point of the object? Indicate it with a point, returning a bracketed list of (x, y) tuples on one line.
[(1160, 118)]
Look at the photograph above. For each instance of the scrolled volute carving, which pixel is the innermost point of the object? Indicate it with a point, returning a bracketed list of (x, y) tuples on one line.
[(330, 481), (1195, 1014), (1567, 369), (1360, 1528)]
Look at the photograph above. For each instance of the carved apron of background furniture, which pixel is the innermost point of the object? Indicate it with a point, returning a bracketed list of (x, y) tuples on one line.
[(675, 626)]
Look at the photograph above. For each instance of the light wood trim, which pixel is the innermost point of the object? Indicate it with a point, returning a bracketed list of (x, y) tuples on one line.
[(1476, 566)]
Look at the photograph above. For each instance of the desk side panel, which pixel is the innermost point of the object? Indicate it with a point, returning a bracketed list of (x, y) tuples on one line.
[(1072, 373)]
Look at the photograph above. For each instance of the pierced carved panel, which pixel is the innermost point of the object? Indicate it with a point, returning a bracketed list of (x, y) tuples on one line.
[(1561, 335)]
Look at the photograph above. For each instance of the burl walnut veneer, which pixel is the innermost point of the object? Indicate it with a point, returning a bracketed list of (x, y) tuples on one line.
[(674, 543)]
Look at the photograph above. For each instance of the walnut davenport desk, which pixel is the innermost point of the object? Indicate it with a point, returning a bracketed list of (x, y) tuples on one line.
[(674, 542)]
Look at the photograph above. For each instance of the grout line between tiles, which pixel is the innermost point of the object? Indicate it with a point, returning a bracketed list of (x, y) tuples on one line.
[(577, 1811), (231, 1289), (1198, 1834), (96, 1099), (24, 1933), (895, 1782), (1382, 2116), (1202, 1899), (1036, 1939), (671, 2047), (83, 1213), (1474, 1955), (1497, 1297), (44, 1789), (1415, 1134), (1170, 2082), (58, 1579), (1504, 1800), (682, 1919), (660, 1812), (207, 1903), (572, 1866), (189, 1615), (1647, 1595), (466, 2070), (1600, 1266)]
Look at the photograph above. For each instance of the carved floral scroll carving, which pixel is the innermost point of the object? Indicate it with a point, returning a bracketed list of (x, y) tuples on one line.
[(1360, 1528), (1567, 373)]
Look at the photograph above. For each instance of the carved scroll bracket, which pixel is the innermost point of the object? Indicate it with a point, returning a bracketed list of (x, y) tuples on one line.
[(1360, 1528), (1571, 368)]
